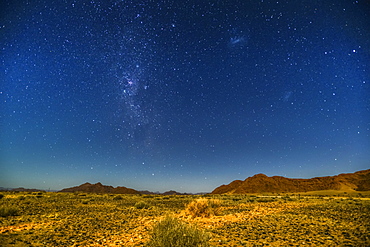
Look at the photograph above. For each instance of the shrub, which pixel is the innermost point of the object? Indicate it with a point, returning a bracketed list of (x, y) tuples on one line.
[(250, 199), (203, 207), (288, 198), (8, 211), (141, 205), (171, 232), (1, 196), (265, 199), (118, 198)]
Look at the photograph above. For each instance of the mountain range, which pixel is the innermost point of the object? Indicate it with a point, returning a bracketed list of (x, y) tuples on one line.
[(259, 183), (358, 181), (100, 188)]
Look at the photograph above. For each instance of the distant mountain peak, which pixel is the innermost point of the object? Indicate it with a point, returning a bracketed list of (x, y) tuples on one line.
[(260, 175), (172, 192), (259, 183), (100, 188)]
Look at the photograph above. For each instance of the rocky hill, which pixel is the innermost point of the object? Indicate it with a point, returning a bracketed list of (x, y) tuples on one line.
[(172, 192), (358, 181), (99, 188)]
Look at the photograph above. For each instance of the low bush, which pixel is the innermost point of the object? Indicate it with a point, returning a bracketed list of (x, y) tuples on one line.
[(117, 198), (265, 199), (250, 199), (203, 207), (290, 199), (1, 196), (85, 202), (8, 211), (141, 205), (171, 232)]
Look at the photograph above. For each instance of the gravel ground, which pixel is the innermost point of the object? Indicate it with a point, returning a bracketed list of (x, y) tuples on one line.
[(54, 219)]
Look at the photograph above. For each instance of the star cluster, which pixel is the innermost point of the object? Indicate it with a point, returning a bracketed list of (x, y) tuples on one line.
[(183, 95)]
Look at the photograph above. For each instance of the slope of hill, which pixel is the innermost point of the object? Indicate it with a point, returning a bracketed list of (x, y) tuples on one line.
[(99, 188), (358, 181)]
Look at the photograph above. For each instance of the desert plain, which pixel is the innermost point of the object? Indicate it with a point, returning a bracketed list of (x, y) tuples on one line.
[(325, 218)]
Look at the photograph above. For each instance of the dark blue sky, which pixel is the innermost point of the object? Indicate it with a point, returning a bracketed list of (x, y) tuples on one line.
[(184, 95)]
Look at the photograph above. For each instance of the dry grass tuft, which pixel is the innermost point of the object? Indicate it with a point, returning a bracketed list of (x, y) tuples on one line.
[(141, 205), (8, 211), (173, 232), (203, 207)]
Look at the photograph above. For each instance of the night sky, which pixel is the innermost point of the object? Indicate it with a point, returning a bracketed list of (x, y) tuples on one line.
[(182, 94)]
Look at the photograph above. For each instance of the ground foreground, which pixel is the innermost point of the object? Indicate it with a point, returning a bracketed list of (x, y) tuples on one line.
[(78, 219)]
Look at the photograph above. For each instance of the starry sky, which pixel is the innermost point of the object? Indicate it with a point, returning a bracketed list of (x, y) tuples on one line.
[(184, 95)]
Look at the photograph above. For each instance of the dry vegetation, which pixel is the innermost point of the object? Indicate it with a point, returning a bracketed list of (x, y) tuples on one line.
[(203, 207), (78, 219)]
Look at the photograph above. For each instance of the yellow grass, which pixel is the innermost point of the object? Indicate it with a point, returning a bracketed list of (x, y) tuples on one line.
[(71, 219)]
